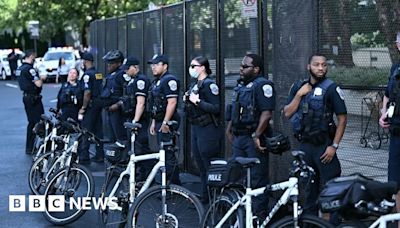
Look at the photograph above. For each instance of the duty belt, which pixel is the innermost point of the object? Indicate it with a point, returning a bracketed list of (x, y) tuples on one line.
[(242, 131), (31, 95)]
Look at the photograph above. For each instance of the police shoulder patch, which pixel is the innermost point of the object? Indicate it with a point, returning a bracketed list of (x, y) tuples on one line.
[(86, 78), (340, 92), (99, 76), (32, 72), (127, 77), (268, 91), (140, 84), (173, 86), (214, 89)]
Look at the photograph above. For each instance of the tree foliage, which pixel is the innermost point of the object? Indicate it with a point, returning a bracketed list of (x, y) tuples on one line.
[(58, 15)]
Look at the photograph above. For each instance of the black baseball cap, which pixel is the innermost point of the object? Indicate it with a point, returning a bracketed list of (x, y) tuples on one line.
[(87, 56), (130, 61), (158, 58)]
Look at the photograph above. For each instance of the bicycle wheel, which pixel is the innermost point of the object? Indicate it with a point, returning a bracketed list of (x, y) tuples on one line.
[(40, 170), (184, 210), (110, 217), (305, 221), (220, 207), (71, 183)]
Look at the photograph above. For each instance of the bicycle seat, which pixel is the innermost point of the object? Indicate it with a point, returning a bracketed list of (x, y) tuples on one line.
[(132, 126), (247, 162)]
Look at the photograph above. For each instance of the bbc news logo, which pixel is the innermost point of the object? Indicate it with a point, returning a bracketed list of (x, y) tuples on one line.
[(57, 203)]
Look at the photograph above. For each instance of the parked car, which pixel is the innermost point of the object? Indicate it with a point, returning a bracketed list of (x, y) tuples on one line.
[(49, 63), (5, 70)]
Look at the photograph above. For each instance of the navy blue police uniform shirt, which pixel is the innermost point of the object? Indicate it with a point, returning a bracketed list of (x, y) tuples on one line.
[(114, 84), (168, 86), (27, 76), (391, 77), (264, 96), (92, 81), (333, 94), (208, 94), (138, 86)]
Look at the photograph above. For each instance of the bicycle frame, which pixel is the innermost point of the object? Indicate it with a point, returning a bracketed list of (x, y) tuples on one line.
[(48, 136), (291, 191), (381, 221), (130, 170)]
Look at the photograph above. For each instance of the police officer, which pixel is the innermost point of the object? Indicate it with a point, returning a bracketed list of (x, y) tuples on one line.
[(69, 98), (163, 102), (91, 83), (248, 120), (390, 119), (310, 107), (31, 85), (202, 108), (116, 79), (133, 106)]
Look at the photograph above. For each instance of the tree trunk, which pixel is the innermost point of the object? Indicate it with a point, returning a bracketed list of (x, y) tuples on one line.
[(345, 47), (389, 18), (330, 28)]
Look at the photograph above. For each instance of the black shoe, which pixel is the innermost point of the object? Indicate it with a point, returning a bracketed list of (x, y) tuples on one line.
[(97, 160), (84, 162)]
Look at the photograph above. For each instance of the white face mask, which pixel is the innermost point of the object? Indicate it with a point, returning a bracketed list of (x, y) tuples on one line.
[(193, 73)]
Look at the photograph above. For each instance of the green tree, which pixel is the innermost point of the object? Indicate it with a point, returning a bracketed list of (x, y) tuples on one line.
[(55, 16)]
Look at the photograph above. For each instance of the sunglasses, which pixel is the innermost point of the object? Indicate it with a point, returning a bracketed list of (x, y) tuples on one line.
[(245, 66), (193, 66)]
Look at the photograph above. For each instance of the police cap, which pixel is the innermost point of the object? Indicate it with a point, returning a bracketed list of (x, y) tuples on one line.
[(158, 58), (87, 56), (130, 61)]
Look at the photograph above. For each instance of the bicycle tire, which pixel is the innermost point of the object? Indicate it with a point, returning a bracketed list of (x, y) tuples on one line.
[(114, 218), (305, 221), (220, 207), (75, 175), (184, 209), (36, 181)]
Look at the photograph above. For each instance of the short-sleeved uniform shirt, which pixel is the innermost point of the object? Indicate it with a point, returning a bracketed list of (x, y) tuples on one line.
[(27, 77), (334, 95)]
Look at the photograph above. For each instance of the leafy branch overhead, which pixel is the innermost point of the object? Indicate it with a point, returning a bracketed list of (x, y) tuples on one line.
[(58, 15)]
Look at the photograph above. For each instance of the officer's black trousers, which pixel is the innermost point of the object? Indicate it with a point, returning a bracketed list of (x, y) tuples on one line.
[(34, 109), (243, 146), (171, 163), (324, 172), (205, 145), (141, 148), (117, 125), (92, 121)]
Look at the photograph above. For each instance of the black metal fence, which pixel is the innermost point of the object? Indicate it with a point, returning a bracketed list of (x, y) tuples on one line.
[(285, 33)]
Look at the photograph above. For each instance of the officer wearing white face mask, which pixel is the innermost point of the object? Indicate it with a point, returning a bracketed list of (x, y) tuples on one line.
[(202, 108)]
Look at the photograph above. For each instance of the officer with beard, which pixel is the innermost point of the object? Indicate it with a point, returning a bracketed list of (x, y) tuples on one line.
[(310, 107)]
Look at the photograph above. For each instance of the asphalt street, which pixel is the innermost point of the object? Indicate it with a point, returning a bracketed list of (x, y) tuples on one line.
[(15, 164)]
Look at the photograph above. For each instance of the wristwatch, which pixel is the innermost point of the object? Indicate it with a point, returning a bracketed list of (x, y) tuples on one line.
[(165, 122), (254, 135), (335, 145)]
